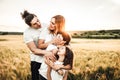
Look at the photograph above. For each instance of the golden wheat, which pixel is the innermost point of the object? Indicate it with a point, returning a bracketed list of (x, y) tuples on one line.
[(90, 56)]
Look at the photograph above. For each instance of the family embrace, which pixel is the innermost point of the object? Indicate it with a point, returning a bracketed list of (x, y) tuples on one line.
[(50, 53)]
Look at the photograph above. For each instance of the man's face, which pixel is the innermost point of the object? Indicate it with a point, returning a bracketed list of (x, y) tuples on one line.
[(35, 23)]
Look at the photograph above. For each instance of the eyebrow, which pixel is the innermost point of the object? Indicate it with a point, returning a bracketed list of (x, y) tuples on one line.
[(36, 21), (52, 22)]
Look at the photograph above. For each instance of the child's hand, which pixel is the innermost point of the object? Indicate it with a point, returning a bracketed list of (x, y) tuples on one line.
[(60, 72)]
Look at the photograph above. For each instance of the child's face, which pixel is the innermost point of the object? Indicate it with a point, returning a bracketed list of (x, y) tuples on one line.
[(60, 36), (61, 50)]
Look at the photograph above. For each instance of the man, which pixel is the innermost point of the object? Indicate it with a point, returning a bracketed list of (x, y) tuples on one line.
[(31, 35)]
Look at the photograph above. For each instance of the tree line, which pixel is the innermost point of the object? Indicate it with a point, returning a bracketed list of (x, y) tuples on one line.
[(101, 34)]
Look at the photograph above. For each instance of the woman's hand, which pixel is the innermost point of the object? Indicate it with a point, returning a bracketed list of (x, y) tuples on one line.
[(58, 41)]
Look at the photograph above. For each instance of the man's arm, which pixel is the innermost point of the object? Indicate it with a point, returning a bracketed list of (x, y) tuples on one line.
[(55, 41), (31, 45), (42, 44)]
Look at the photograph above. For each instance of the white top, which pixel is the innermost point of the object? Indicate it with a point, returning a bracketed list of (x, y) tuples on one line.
[(30, 35), (46, 35), (55, 75)]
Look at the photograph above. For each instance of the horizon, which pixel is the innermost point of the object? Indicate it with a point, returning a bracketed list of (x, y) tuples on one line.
[(5, 30)]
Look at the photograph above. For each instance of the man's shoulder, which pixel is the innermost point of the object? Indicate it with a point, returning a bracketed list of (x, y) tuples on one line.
[(28, 31)]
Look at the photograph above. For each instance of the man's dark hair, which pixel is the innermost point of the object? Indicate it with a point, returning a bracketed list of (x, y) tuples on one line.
[(27, 17)]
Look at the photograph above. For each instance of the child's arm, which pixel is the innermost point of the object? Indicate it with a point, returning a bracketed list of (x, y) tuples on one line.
[(49, 73), (49, 69), (65, 76)]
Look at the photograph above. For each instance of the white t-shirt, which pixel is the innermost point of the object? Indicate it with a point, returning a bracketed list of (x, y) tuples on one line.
[(31, 34), (46, 35), (55, 75)]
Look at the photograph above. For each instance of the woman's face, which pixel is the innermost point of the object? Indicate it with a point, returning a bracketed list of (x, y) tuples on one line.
[(52, 24), (61, 50)]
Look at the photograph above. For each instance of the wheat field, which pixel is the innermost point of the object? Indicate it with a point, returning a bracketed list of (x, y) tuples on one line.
[(94, 59)]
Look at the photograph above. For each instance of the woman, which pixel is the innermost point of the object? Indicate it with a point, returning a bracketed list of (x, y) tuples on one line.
[(57, 26)]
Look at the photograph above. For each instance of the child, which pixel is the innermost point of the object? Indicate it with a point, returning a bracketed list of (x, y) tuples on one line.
[(64, 57)]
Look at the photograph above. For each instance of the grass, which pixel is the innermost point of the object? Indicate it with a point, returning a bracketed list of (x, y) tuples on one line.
[(94, 59)]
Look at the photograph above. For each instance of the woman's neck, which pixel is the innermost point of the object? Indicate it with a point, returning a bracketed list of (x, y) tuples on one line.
[(61, 58)]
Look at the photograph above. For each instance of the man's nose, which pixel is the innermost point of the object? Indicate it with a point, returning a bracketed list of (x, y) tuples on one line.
[(38, 23)]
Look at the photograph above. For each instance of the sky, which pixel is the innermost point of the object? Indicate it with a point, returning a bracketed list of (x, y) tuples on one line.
[(79, 14)]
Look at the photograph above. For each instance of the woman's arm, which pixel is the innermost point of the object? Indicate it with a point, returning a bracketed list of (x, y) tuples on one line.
[(66, 67), (57, 67)]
